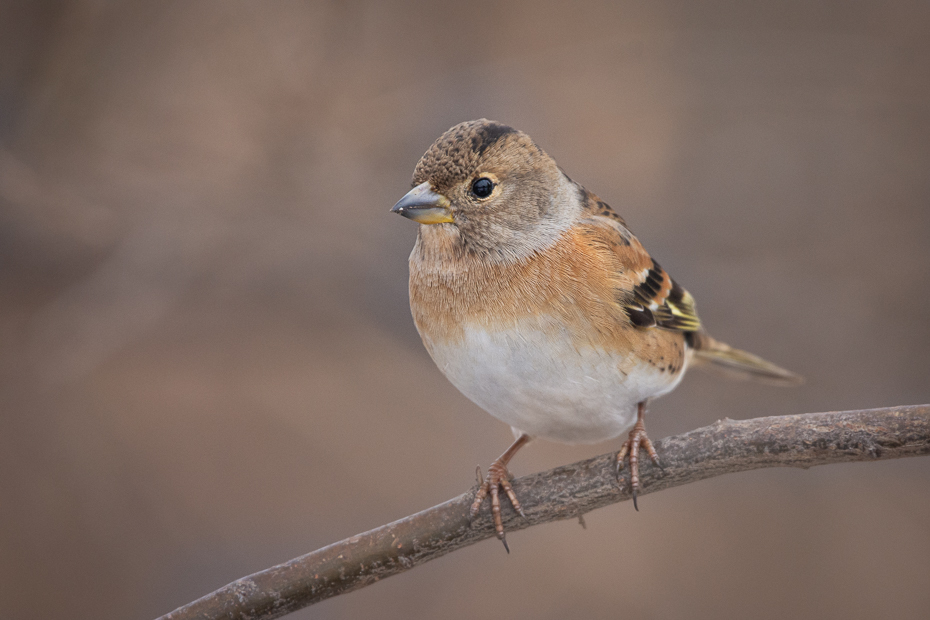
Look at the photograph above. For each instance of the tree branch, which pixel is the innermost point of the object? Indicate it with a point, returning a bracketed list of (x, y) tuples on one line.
[(567, 492)]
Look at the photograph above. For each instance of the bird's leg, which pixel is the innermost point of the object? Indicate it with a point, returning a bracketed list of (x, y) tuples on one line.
[(630, 449), (499, 478)]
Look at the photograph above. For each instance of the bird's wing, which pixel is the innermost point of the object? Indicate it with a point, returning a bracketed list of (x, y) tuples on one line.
[(649, 296), (651, 299)]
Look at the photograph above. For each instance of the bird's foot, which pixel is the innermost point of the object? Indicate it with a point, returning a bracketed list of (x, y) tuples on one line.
[(630, 450), (498, 478)]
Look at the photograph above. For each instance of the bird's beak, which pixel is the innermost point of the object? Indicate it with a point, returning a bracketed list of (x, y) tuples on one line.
[(423, 205)]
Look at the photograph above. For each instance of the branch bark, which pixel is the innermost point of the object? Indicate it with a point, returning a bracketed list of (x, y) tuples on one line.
[(567, 492)]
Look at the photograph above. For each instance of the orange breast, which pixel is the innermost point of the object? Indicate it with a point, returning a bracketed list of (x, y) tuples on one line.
[(571, 289)]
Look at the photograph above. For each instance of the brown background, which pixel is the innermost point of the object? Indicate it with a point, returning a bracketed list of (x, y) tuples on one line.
[(207, 364)]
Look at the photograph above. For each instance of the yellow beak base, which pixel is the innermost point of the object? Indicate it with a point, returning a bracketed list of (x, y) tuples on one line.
[(424, 206)]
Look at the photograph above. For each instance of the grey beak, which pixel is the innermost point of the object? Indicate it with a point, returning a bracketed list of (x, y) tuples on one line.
[(423, 205)]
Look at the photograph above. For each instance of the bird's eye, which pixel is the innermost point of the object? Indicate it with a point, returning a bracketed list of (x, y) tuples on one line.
[(482, 187)]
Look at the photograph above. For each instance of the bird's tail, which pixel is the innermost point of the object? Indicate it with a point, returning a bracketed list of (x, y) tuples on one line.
[(719, 356)]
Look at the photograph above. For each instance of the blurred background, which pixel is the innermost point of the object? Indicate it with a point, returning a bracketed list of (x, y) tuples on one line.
[(205, 342)]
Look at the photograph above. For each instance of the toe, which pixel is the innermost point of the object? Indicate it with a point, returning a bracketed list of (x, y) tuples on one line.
[(496, 511), (621, 456), (513, 497), (650, 449), (479, 498)]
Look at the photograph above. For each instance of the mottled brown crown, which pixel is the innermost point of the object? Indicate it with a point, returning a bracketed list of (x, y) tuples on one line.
[(456, 154)]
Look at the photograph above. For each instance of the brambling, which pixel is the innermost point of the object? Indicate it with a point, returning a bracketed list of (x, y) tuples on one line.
[(536, 301)]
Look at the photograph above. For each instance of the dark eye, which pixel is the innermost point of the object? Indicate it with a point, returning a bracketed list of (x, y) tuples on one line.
[(482, 187)]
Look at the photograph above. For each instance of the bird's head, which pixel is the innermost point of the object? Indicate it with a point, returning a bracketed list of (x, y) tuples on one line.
[(490, 185)]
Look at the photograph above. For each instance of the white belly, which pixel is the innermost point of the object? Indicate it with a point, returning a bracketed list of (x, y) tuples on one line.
[(543, 385)]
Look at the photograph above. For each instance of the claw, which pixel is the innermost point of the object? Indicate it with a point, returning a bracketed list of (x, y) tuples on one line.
[(499, 478), (630, 449)]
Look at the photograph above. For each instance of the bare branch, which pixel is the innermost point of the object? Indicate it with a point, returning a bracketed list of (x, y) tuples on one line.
[(566, 493)]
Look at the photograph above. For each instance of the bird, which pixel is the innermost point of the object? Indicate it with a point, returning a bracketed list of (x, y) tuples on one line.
[(536, 301)]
